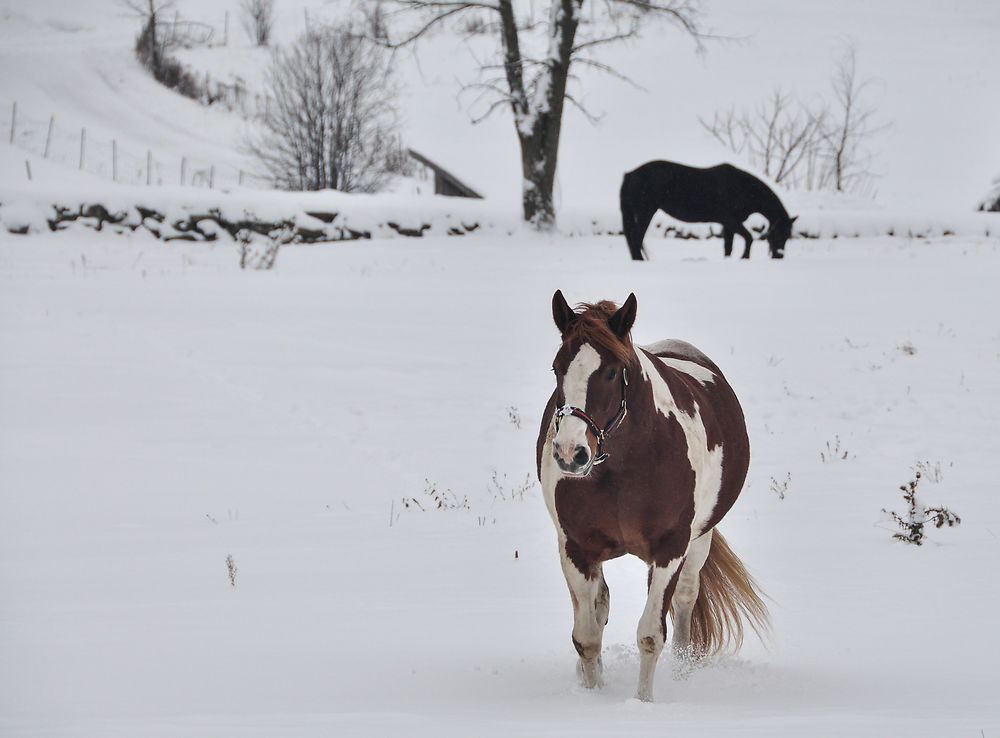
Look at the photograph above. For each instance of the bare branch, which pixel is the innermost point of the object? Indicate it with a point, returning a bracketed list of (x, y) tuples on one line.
[(439, 12)]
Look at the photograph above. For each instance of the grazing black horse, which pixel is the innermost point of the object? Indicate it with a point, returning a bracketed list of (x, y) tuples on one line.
[(721, 194)]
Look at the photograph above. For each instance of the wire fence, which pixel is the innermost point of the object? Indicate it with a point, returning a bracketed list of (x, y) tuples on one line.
[(77, 148)]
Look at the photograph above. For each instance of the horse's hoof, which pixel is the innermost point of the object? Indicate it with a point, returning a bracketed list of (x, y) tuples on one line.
[(590, 673)]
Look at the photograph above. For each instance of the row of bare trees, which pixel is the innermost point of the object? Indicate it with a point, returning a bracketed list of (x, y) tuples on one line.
[(334, 124), (820, 147)]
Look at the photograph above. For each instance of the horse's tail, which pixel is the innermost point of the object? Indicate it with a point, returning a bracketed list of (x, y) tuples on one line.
[(728, 595), (630, 217)]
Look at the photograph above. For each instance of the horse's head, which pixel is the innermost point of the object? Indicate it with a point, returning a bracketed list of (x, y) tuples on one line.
[(777, 234), (591, 369)]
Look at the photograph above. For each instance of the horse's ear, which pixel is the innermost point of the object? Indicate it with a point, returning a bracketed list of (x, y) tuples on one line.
[(794, 218), (562, 313), (621, 322)]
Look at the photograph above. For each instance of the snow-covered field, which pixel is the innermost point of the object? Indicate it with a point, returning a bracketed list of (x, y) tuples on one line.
[(164, 410), (220, 488)]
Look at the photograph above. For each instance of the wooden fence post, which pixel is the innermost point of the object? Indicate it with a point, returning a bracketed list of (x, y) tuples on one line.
[(13, 121), (83, 143), (184, 163), (27, 166), (211, 176), (149, 167), (48, 137), (114, 160)]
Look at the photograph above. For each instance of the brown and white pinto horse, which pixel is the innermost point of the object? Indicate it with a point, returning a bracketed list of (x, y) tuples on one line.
[(643, 451)]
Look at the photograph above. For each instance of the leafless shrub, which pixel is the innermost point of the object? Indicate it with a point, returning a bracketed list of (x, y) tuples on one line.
[(503, 489), (436, 499), (776, 137), (822, 146), (929, 471), (991, 203), (257, 251), (916, 515), (258, 20), (332, 122), (779, 488), (834, 452)]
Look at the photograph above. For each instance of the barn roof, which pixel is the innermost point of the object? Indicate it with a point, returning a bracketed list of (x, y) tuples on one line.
[(453, 184)]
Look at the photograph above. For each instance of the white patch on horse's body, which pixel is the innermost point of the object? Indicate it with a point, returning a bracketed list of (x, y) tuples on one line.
[(572, 430), (707, 464), (684, 357), (679, 349), (695, 371)]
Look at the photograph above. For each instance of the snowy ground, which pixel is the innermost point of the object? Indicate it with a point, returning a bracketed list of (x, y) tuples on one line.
[(164, 410)]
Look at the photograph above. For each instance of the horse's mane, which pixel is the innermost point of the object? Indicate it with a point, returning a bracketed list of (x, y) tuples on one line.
[(591, 326)]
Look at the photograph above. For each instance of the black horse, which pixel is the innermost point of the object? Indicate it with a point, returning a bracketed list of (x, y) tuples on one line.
[(721, 194)]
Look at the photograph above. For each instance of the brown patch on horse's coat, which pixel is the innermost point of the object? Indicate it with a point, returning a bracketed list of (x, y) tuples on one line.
[(626, 507)]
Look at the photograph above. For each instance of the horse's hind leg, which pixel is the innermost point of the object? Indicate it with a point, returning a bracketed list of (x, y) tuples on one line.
[(651, 634), (591, 602), (686, 594)]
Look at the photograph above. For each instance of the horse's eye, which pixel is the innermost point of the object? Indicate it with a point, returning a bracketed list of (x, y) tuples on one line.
[(611, 374)]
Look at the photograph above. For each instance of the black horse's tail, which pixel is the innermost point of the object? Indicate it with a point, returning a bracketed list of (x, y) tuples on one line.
[(631, 227)]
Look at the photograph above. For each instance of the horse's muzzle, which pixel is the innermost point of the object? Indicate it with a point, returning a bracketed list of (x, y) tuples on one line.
[(575, 462)]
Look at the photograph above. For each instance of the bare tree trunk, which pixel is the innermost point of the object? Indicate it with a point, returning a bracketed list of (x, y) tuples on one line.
[(538, 119)]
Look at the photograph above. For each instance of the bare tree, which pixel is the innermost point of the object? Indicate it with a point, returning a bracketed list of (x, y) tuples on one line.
[(151, 45), (849, 128), (530, 76), (258, 20), (332, 121)]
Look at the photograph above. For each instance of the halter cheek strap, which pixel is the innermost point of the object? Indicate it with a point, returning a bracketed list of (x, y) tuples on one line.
[(600, 434)]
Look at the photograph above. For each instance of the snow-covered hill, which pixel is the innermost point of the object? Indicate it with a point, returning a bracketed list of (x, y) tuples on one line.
[(931, 68)]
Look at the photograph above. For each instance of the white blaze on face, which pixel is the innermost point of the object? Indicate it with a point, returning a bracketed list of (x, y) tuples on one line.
[(572, 430)]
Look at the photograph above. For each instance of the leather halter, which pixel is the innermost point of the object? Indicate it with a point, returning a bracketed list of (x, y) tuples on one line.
[(600, 433)]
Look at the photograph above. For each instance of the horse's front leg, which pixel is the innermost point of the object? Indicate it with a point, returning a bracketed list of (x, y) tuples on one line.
[(591, 602), (652, 631), (727, 241), (747, 240)]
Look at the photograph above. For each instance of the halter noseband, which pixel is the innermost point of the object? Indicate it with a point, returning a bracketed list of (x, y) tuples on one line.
[(600, 433)]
